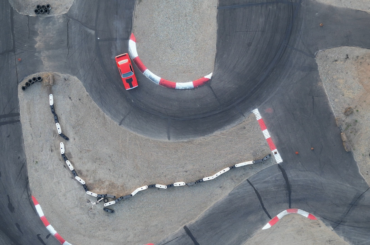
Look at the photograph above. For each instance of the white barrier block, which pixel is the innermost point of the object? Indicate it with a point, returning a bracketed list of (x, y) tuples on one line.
[(109, 203), (179, 184), (139, 189), (257, 114), (66, 243), (62, 151), (91, 194), (58, 128), (161, 186), (51, 99), (208, 178), (80, 180), (69, 164), (243, 164), (222, 171)]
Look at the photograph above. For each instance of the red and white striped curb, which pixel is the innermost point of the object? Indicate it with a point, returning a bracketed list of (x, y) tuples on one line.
[(278, 217), (267, 136), (47, 224), (156, 79)]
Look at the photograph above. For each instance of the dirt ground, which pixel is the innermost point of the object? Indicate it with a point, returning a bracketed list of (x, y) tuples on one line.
[(345, 73), (115, 161), (28, 7), (177, 34), (294, 229)]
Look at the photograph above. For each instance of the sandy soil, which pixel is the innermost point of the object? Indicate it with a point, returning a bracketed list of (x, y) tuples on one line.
[(176, 39), (294, 229), (111, 159), (345, 73)]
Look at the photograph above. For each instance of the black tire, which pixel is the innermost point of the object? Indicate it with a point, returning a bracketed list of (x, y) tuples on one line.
[(27, 84), (42, 11), (23, 88), (37, 11), (39, 79), (34, 79), (48, 6), (38, 7)]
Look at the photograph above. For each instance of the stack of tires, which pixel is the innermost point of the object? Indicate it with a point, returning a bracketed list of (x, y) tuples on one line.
[(31, 81), (43, 9)]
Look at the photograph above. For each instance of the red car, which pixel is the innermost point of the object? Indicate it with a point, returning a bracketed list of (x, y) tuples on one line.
[(126, 71)]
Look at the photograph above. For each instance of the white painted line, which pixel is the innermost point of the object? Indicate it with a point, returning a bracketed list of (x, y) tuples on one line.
[(39, 210), (132, 49), (266, 134), (187, 85), (51, 229), (209, 76), (277, 156), (151, 76), (303, 213), (257, 114)]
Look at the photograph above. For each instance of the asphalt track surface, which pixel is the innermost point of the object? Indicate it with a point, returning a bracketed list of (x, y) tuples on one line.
[(265, 58)]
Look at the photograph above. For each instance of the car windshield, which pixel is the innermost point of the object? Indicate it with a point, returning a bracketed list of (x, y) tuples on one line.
[(128, 74)]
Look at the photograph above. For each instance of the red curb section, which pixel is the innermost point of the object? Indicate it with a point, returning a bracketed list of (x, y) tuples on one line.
[(267, 136), (278, 217), (158, 80), (48, 226)]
